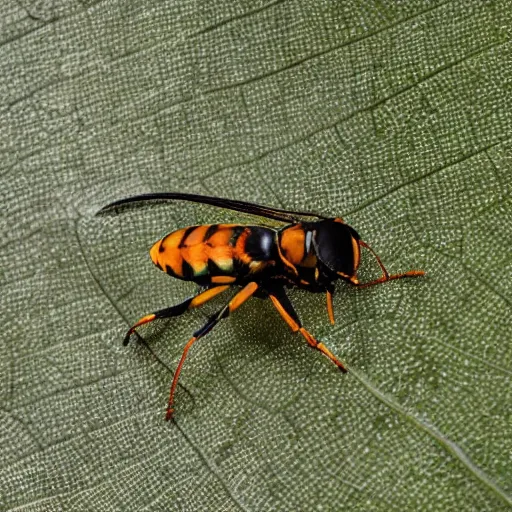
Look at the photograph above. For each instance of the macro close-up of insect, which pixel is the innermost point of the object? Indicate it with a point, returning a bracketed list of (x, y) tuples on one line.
[(310, 251)]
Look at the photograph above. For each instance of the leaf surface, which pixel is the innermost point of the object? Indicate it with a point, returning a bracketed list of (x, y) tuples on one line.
[(395, 115)]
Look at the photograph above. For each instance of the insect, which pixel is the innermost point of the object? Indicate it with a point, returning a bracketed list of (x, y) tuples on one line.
[(310, 251)]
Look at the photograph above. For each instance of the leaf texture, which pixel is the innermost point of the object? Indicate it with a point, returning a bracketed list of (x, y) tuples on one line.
[(395, 115)]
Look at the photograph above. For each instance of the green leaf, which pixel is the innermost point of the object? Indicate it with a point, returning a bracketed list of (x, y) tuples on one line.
[(395, 115)]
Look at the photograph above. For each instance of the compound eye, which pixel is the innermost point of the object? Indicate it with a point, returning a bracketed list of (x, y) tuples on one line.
[(336, 246)]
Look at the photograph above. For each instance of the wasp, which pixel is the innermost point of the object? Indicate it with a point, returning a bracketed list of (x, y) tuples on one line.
[(310, 251)]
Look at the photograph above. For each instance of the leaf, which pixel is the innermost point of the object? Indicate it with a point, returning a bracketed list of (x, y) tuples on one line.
[(395, 115)]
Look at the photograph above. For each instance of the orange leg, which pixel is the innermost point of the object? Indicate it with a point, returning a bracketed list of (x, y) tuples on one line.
[(386, 276), (285, 308), (179, 309), (244, 294), (330, 309)]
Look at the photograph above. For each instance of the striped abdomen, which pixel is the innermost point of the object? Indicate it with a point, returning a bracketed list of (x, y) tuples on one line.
[(218, 253)]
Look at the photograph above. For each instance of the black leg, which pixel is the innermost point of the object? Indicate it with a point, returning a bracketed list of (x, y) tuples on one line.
[(244, 294), (179, 309)]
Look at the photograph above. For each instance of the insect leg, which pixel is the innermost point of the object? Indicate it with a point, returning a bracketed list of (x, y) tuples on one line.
[(178, 309), (284, 306), (330, 308), (244, 294), (386, 276)]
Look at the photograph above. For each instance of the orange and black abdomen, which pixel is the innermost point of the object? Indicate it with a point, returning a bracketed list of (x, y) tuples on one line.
[(217, 253)]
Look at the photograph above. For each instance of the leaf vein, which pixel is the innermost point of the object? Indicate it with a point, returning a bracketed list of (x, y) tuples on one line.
[(447, 444)]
